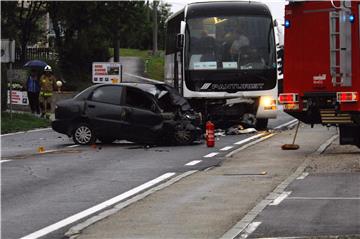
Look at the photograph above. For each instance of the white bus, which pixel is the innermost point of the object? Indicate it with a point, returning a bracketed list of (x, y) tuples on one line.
[(221, 56)]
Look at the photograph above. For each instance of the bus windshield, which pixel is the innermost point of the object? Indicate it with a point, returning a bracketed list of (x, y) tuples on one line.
[(230, 43)]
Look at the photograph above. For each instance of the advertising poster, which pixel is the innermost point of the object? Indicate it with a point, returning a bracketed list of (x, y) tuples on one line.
[(18, 97), (106, 72)]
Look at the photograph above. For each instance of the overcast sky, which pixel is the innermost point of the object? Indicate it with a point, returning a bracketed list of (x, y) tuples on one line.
[(276, 6)]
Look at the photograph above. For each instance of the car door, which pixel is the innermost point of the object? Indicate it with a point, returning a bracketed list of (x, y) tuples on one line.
[(143, 117), (105, 112)]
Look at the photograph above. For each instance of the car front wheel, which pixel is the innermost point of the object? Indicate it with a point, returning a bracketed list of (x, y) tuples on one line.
[(183, 136), (83, 134)]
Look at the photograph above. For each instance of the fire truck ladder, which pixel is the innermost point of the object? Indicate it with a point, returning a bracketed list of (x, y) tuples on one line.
[(340, 48), (334, 50)]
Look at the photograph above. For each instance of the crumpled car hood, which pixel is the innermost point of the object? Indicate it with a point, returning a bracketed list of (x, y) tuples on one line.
[(175, 98)]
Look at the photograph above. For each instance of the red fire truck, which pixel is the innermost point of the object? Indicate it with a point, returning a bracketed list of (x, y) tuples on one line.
[(322, 65)]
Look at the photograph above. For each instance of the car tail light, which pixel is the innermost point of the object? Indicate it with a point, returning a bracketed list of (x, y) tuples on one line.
[(347, 97), (288, 98)]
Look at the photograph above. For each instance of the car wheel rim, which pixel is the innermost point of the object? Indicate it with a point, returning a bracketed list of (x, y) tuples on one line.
[(183, 136), (83, 134)]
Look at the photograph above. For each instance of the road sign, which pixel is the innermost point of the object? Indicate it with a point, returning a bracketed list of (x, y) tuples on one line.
[(18, 97), (7, 51), (106, 72)]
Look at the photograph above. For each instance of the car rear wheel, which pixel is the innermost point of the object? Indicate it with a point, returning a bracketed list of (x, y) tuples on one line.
[(83, 134)]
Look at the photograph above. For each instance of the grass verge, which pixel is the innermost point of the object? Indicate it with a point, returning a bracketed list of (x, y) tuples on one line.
[(21, 122)]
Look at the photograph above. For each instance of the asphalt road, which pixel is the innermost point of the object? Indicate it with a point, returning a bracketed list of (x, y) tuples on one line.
[(41, 189), (313, 208)]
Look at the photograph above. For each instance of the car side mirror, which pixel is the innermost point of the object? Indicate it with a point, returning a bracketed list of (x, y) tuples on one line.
[(180, 41)]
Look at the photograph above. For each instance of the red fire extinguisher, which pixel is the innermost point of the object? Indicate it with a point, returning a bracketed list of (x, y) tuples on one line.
[(210, 134)]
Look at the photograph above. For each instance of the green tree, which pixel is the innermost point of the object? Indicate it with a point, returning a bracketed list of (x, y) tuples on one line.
[(20, 21)]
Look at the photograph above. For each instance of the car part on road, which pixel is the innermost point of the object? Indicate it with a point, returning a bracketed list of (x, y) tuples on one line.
[(292, 146), (83, 134)]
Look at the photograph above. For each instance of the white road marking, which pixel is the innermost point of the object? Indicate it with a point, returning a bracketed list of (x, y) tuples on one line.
[(324, 198), (192, 163), (210, 155), (75, 230), (23, 132), (4, 161), (97, 208), (250, 229), (303, 176), (248, 145), (279, 199), (226, 148), (286, 124), (249, 139), (50, 151), (73, 146)]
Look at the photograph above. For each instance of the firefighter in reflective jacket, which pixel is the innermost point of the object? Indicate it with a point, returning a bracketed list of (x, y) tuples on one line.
[(47, 83)]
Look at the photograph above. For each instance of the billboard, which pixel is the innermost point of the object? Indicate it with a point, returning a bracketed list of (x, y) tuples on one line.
[(106, 72)]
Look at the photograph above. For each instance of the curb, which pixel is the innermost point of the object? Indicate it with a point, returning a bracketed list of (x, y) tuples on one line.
[(239, 227)]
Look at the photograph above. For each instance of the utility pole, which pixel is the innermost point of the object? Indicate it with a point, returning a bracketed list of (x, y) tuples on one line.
[(155, 27), (116, 40)]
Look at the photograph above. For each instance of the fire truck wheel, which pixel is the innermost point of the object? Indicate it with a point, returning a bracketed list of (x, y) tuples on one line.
[(83, 134), (106, 140), (261, 124)]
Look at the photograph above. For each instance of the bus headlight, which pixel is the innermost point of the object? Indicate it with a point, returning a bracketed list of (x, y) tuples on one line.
[(268, 102)]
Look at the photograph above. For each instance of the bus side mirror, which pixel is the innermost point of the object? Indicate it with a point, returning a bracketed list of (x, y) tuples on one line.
[(276, 23), (180, 41)]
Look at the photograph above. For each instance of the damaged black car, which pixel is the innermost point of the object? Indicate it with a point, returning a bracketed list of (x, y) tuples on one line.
[(137, 112)]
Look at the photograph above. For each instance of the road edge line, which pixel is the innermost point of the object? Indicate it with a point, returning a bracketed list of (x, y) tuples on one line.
[(98, 207), (229, 155), (76, 230)]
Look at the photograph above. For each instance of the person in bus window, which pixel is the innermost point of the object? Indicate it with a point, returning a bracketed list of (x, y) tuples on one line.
[(207, 45), (238, 44)]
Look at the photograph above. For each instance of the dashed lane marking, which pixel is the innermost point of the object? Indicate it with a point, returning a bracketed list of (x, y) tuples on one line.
[(192, 163), (303, 176), (97, 208), (226, 148), (4, 161), (73, 146), (210, 155), (250, 229), (279, 199)]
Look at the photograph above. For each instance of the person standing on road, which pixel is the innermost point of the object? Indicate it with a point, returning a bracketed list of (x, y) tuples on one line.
[(47, 83), (33, 91)]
